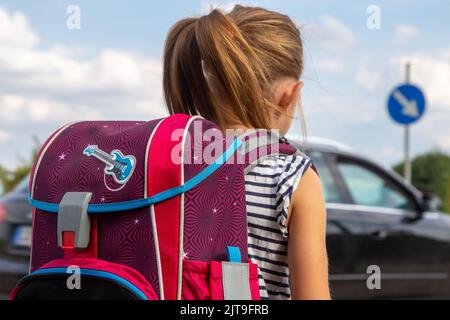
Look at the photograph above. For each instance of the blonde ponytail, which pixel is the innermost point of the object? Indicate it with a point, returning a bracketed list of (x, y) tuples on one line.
[(213, 66)]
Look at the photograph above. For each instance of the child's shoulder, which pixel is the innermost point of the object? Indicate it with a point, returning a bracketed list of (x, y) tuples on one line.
[(286, 161), (282, 168), (276, 177)]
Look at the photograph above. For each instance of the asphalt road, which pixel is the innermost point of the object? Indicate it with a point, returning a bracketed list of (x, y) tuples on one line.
[(11, 271)]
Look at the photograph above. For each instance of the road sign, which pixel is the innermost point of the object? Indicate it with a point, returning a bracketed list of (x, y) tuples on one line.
[(406, 104)]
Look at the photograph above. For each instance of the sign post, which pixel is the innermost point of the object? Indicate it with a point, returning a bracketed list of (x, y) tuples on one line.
[(406, 105), (407, 162)]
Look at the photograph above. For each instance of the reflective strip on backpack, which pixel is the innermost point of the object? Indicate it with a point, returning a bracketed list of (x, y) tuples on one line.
[(236, 281)]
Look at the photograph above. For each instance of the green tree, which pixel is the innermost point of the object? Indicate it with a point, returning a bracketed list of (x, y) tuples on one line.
[(10, 178), (431, 173)]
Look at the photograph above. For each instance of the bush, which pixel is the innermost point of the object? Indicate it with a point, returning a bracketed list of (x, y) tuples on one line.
[(431, 173)]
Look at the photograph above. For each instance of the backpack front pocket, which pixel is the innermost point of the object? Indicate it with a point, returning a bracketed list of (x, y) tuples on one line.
[(218, 280)]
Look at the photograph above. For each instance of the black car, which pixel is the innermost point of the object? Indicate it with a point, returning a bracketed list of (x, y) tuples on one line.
[(380, 226), (15, 236), (385, 240)]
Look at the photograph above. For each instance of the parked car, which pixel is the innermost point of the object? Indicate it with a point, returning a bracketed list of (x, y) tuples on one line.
[(15, 236), (375, 219)]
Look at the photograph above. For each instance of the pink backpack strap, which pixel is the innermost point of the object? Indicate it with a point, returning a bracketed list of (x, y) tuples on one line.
[(288, 147), (164, 173)]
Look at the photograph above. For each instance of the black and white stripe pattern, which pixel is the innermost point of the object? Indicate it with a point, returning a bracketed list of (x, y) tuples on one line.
[(269, 187)]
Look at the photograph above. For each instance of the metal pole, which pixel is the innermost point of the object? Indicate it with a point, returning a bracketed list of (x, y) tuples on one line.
[(407, 165)]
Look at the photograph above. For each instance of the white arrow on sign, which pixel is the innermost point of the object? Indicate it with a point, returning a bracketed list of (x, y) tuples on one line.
[(410, 108)]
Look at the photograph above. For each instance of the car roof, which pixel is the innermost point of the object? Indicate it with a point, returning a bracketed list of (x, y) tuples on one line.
[(21, 190), (322, 144)]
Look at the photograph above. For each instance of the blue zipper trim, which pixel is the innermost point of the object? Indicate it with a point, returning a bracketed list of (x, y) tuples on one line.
[(93, 273), (140, 203)]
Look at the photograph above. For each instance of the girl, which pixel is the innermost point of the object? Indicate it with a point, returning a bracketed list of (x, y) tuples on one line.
[(241, 70)]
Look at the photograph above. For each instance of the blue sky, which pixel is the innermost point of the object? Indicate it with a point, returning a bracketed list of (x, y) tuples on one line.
[(111, 67)]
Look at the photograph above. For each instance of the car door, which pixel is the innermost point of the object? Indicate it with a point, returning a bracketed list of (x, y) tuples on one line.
[(344, 231), (394, 241)]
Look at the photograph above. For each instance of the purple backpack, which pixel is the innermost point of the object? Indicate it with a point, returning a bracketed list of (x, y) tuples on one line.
[(142, 210)]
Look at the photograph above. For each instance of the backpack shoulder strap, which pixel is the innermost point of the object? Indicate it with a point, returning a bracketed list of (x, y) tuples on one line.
[(260, 144)]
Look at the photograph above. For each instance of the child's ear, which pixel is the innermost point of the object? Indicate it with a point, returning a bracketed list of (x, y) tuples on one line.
[(290, 95)]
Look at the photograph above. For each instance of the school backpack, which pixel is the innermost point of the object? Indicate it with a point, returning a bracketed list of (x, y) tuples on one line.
[(142, 210)]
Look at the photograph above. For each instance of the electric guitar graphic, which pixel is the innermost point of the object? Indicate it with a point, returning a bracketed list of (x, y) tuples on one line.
[(117, 165)]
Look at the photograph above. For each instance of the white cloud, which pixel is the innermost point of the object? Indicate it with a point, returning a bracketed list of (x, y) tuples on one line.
[(119, 69), (10, 107), (444, 142), (329, 64), (367, 75), (58, 73), (404, 33), (331, 34), (4, 136), (40, 89), (57, 69), (15, 31), (19, 109), (327, 45)]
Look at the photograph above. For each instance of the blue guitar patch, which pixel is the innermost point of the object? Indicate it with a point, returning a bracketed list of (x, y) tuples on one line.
[(118, 166)]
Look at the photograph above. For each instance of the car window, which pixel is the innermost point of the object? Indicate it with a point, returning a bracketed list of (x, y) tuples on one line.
[(22, 186), (331, 191), (372, 189)]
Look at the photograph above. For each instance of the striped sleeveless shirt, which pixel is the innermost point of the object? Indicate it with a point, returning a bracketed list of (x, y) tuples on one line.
[(269, 186)]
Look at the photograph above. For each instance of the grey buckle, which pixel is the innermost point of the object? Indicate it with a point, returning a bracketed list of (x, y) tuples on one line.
[(73, 218)]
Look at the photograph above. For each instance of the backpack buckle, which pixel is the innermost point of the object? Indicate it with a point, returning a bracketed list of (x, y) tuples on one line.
[(74, 224)]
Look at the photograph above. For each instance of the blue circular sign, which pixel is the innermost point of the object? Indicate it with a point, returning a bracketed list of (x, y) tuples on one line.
[(406, 104)]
